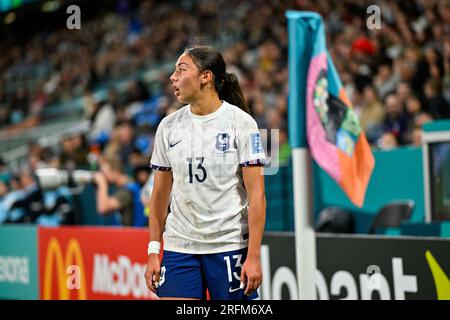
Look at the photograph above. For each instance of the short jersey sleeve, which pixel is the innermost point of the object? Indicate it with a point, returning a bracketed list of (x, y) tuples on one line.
[(250, 147), (160, 160)]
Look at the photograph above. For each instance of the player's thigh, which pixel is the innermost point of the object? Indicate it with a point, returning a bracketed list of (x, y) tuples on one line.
[(181, 277), (222, 273)]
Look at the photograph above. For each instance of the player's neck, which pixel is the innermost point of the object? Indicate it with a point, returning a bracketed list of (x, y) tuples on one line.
[(206, 104)]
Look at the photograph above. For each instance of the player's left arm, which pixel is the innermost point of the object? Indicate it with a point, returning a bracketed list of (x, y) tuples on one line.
[(251, 274)]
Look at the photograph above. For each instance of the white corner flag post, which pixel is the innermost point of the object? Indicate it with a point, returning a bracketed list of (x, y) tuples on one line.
[(299, 54)]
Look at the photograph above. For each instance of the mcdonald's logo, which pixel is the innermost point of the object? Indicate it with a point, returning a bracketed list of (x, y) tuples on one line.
[(54, 257)]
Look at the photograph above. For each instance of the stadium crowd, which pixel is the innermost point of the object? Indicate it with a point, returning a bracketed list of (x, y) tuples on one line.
[(397, 77)]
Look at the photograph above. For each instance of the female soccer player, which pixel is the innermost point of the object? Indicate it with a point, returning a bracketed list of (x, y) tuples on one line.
[(208, 159)]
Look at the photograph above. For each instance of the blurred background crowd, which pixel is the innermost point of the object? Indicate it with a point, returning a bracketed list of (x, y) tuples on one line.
[(113, 76)]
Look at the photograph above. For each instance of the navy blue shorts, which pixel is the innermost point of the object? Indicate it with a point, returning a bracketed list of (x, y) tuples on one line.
[(189, 275)]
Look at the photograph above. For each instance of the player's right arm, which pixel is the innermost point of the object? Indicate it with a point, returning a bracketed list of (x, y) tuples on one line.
[(157, 219), (159, 201)]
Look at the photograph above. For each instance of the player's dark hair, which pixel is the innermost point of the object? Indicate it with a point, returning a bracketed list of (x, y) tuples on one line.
[(225, 83)]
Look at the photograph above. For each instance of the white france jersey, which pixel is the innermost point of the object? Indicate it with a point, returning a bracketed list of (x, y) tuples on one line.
[(208, 200)]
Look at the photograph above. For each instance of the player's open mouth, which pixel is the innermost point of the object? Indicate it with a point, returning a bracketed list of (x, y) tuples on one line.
[(177, 91)]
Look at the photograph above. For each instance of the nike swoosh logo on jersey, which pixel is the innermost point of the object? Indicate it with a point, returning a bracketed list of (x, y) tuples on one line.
[(233, 290), (173, 144)]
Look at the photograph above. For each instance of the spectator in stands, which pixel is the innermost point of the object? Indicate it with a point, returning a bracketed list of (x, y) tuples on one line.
[(446, 79), (74, 153), (137, 92), (403, 91), (136, 159), (102, 119), (436, 104), (112, 147), (372, 114), (4, 188), (6, 200), (416, 137), (124, 198), (25, 204), (413, 110), (414, 57), (80, 154), (385, 81), (126, 138), (395, 121), (388, 141), (422, 118), (141, 173), (258, 110), (46, 158)]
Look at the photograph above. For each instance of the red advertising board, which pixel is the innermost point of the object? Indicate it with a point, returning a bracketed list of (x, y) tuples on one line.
[(93, 263)]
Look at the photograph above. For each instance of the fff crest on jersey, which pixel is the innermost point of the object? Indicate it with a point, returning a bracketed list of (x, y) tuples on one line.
[(223, 141)]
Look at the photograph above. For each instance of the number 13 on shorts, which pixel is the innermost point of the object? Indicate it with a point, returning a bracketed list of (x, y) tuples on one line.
[(237, 264)]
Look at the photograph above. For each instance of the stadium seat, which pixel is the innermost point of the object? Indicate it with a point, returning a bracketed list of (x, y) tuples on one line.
[(335, 220), (392, 215)]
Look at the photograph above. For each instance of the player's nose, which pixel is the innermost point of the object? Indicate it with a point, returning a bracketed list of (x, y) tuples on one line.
[(172, 77)]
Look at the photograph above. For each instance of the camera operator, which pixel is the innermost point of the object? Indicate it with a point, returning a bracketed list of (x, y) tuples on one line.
[(28, 202), (124, 197)]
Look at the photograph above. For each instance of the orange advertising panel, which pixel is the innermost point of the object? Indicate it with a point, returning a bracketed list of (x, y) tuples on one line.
[(93, 263)]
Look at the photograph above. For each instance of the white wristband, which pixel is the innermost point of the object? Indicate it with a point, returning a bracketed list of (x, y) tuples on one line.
[(153, 247)]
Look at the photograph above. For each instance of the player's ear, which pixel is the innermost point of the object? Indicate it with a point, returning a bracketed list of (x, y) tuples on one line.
[(206, 76)]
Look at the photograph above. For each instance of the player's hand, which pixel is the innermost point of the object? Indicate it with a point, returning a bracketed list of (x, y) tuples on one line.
[(153, 272), (251, 275)]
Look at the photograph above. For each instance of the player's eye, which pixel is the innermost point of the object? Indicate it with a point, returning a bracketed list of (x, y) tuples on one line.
[(180, 68)]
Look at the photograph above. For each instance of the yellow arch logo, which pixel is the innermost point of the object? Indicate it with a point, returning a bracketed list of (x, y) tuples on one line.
[(54, 254), (441, 280)]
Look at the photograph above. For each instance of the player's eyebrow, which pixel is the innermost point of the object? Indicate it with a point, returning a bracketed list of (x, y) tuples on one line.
[(179, 64)]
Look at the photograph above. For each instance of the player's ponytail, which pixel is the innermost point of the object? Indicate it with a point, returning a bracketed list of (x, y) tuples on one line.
[(231, 92), (226, 84)]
